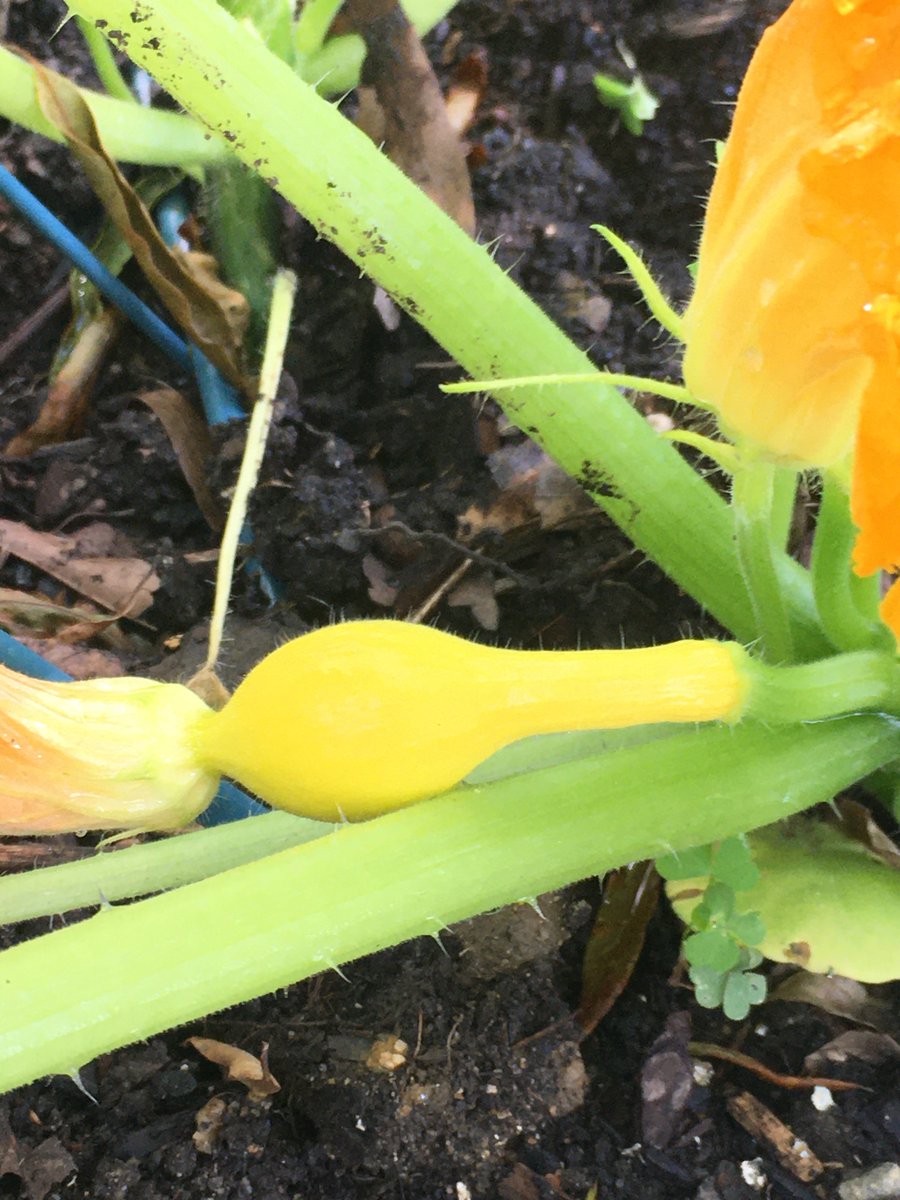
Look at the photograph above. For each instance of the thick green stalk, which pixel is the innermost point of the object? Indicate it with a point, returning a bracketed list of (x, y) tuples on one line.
[(87, 989), (130, 133), (153, 867), (358, 199), (753, 494)]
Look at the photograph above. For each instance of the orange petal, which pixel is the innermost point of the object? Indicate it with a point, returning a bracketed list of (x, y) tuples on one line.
[(800, 243)]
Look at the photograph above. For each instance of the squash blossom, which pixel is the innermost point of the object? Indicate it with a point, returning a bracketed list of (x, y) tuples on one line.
[(100, 754), (792, 333), (346, 722)]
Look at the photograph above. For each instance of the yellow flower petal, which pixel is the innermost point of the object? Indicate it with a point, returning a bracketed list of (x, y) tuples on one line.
[(101, 754)]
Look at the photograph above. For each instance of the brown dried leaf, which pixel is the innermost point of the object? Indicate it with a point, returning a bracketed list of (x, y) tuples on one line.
[(836, 995), (667, 1082), (123, 585), (67, 397), (239, 1065), (465, 91), (479, 594), (209, 1121), (192, 443), (856, 822), (215, 319), (381, 588), (533, 489), (864, 1045), (629, 901), (414, 125)]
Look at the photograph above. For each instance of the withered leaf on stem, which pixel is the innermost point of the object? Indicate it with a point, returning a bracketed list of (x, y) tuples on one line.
[(67, 397), (214, 318)]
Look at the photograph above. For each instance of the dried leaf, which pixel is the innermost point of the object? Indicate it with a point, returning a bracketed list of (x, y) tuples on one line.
[(67, 397), (667, 1082), (381, 588), (215, 319), (864, 1045), (209, 1121), (414, 125), (533, 490), (629, 901), (479, 594), (388, 1054), (855, 820), (192, 443), (239, 1065), (123, 585), (836, 995), (465, 91)]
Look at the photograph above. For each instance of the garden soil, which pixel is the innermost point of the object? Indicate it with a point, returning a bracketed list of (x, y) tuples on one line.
[(439, 1069)]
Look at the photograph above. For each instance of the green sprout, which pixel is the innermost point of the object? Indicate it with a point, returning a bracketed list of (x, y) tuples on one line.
[(633, 101), (723, 949)]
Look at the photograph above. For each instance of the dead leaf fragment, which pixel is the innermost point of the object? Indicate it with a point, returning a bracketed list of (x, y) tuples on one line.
[(214, 318), (856, 821), (67, 397), (478, 593), (209, 1121), (388, 1054), (192, 443), (122, 585), (837, 995), (667, 1082), (630, 897), (862, 1045), (239, 1066), (466, 90)]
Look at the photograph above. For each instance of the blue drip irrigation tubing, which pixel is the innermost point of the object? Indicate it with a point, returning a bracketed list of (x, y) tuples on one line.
[(111, 287), (230, 803)]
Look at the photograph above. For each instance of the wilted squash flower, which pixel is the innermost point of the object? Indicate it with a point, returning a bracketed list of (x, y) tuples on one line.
[(792, 333), (98, 754)]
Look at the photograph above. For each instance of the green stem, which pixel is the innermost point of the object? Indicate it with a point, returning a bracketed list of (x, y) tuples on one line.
[(752, 501), (153, 867), (127, 973), (848, 627), (357, 198), (104, 61), (130, 133), (312, 25), (845, 683), (784, 497)]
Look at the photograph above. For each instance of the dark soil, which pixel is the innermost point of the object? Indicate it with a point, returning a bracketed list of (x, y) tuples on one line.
[(497, 1092)]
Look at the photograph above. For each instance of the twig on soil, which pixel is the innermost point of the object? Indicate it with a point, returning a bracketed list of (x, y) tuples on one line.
[(796, 1082)]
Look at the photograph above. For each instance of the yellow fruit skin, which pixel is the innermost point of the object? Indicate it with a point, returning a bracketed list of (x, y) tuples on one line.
[(360, 718)]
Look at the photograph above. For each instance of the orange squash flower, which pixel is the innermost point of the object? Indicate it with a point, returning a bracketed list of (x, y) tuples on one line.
[(100, 754), (793, 332)]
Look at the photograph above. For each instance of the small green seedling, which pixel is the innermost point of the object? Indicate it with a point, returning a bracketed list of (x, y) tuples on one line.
[(634, 102), (721, 944)]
